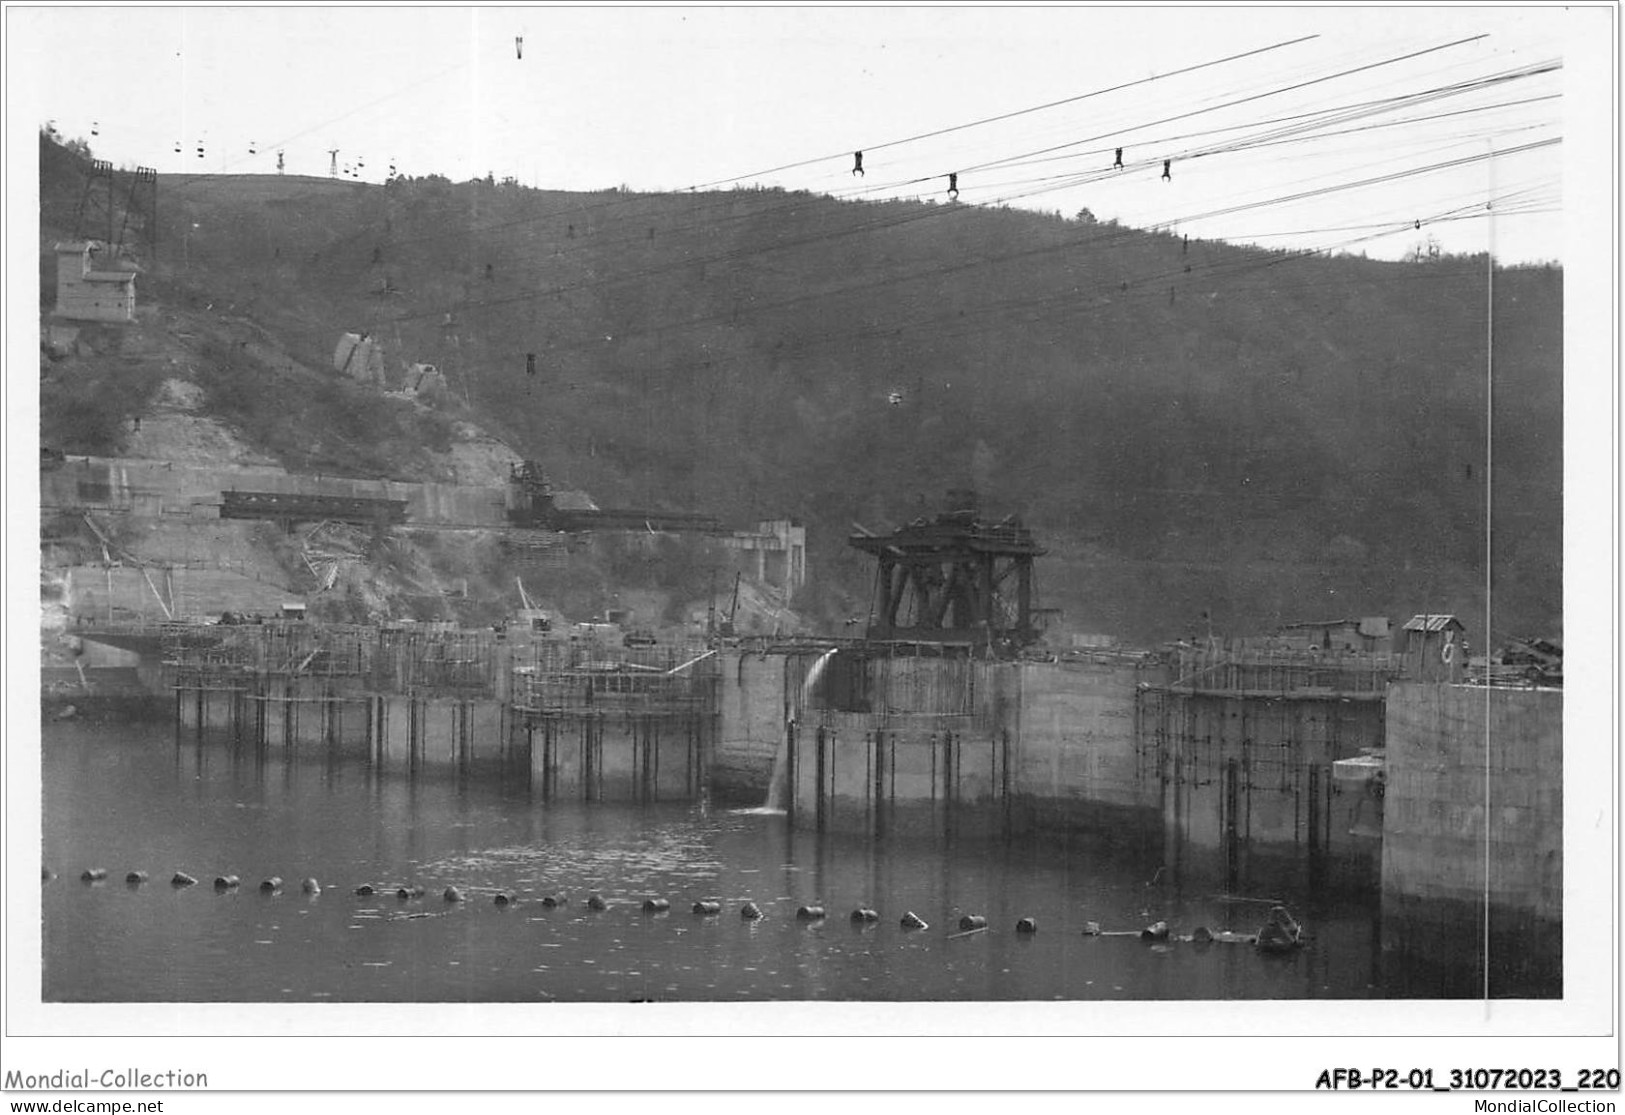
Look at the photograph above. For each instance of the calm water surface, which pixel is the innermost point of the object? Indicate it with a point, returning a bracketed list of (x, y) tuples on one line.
[(131, 798)]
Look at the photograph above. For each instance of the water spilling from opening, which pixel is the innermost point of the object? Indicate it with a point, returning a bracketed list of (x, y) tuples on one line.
[(779, 783)]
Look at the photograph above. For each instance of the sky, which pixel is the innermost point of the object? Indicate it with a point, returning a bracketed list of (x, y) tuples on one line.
[(1323, 136)]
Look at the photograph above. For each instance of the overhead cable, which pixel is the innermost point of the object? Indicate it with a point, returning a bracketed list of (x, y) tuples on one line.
[(1006, 115)]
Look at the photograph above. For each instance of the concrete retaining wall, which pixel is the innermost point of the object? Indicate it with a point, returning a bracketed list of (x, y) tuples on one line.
[(1076, 744), (1434, 879)]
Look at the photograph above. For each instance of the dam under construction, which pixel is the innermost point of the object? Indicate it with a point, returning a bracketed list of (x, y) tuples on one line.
[(1334, 766), (1353, 777)]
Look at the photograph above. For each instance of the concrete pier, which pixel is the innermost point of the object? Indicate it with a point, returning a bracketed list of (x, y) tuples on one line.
[(563, 721), (1454, 859), (615, 757), (851, 773)]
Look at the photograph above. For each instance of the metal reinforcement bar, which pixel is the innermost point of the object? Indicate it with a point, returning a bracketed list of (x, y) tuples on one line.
[(588, 691), (817, 644), (1273, 676), (373, 659)]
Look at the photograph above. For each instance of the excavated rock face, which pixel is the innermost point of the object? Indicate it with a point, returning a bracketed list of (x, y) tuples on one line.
[(189, 439), (477, 458)]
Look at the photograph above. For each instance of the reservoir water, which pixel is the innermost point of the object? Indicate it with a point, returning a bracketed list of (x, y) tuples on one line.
[(135, 797)]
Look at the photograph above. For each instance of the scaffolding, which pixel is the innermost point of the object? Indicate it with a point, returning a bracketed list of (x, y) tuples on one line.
[(587, 676), (374, 660), (1274, 674)]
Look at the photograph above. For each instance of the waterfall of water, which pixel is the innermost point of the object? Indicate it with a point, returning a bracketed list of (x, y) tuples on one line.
[(779, 783)]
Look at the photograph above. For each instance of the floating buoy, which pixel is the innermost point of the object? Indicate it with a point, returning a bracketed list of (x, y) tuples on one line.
[(403, 893), (182, 879), (311, 887), (271, 885), (1202, 935), (1155, 932), (863, 913), (136, 878), (554, 900), (750, 911), (911, 920), (503, 899), (707, 907), (1275, 941), (226, 882), (452, 894), (656, 905), (973, 921), (364, 890), (93, 874), (809, 913), (1280, 932), (1027, 925), (595, 901)]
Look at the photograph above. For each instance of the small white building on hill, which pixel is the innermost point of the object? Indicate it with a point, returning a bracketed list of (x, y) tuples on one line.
[(92, 286)]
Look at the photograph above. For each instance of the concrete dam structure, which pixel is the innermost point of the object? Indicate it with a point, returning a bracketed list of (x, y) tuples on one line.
[(874, 738), (1382, 771), (1254, 778), (863, 737)]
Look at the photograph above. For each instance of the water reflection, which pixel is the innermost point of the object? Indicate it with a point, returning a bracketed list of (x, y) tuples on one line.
[(135, 799)]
